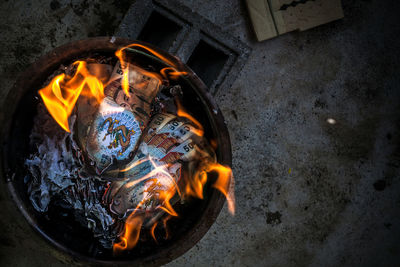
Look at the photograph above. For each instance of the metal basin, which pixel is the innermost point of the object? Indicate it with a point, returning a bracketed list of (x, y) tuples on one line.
[(194, 220)]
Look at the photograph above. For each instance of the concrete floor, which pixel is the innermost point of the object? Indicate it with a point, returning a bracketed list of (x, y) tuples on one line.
[(308, 192)]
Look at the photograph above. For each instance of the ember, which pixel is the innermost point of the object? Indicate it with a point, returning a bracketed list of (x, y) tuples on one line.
[(128, 151)]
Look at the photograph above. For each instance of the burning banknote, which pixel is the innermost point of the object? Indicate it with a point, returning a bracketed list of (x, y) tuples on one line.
[(157, 166), (117, 160), (112, 132)]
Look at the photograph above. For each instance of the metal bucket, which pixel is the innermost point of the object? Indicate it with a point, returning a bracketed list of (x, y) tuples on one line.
[(17, 121)]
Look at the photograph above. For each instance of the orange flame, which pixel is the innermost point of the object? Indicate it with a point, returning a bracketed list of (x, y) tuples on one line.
[(166, 196), (134, 222), (63, 91), (60, 97), (195, 184), (158, 55), (152, 229), (182, 113), (133, 225), (193, 187), (224, 183), (170, 72)]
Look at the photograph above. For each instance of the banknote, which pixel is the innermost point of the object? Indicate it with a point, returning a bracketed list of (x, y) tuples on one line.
[(108, 132), (156, 166)]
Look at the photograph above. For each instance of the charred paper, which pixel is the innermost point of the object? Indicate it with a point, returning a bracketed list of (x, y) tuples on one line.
[(121, 156)]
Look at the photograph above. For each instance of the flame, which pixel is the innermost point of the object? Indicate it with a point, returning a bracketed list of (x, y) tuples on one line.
[(134, 222), (158, 55), (195, 184), (166, 196), (63, 91), (224, 183), (170, 72), (60, 97), (133, 225), (153, 228), (182, 113)]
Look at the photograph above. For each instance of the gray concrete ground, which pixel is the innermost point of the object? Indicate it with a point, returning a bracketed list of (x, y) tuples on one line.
[(308, 192)]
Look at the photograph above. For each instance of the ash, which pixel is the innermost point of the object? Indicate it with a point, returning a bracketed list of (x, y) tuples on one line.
[(55, 178)]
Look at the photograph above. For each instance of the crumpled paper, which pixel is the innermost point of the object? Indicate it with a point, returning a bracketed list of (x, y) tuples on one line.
[(55, 173)]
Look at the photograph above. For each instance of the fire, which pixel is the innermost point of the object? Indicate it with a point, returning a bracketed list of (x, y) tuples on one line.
[(193, 187), (135, 221), (126, 67), (224, 183), (195, 184), (153, 228), (133, 225), (158, 55), (170, 72), (63, 91), (60, 97), (182, 113)]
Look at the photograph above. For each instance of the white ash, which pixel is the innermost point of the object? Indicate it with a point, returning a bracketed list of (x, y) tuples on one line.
[(54, 176)]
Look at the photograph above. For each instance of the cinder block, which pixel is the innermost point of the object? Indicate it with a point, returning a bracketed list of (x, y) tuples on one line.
[(215, 56)]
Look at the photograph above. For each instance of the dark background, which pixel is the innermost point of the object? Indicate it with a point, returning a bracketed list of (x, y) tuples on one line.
[(308, 192)]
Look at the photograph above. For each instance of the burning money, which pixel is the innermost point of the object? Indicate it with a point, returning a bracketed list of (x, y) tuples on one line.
[(112, 132), (157, 165), (122, 157)]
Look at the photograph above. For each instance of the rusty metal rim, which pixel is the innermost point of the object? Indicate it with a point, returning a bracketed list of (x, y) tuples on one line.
[(43, 67)]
